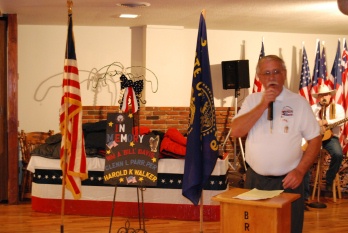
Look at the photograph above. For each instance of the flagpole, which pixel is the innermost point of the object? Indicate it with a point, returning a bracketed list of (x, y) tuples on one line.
[(201, 214), (69, 5), (201, 201)]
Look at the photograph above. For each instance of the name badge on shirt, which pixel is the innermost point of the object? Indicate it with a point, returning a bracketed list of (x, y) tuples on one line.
[(287, 114)]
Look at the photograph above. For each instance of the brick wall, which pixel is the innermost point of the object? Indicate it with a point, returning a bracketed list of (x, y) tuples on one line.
[(163, 118)]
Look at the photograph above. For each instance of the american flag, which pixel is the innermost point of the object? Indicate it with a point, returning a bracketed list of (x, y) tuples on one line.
[(131, 179), (336, 75), (72, 153), (323, 69), (344, 72), (344, 61), (305, 81), (257, 84), (315, 76)]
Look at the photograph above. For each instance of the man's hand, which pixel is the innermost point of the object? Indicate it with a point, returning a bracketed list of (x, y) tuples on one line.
[(293, 179), (322, 122)]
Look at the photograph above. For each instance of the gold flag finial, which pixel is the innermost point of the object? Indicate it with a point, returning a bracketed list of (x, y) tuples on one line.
[(203, 13), (69, 3)]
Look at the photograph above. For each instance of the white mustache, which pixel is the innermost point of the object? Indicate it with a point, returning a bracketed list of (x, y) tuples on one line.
[(272, 83)]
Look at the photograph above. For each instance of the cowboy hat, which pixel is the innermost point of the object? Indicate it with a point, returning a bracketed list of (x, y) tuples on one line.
[(323, 89)]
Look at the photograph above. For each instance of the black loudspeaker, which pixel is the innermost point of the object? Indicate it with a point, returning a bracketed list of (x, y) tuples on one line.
[(235, 74)]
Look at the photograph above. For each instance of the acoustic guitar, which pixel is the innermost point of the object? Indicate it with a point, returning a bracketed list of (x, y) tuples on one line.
[(327, 134)]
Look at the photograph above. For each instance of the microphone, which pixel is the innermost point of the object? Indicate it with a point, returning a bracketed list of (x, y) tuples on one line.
[(270, 109), (270, 112)]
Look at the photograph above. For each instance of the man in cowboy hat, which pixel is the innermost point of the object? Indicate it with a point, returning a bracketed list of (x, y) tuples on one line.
[(327, 113)]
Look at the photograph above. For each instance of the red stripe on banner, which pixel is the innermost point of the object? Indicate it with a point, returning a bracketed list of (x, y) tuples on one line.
[(127, 209), (304, 92), (74, 142), (73, 186), (134, 101), (71, 69), (71, 96), (71, 83), (73, 101), (257, 85)]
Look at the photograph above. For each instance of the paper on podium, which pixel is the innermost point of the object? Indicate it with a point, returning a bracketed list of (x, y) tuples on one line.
[(256, 194)]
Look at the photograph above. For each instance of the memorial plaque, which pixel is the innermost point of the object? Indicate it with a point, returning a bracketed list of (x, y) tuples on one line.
[(131, 158)]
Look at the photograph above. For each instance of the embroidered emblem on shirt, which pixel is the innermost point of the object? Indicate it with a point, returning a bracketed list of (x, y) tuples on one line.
[(287, 112)]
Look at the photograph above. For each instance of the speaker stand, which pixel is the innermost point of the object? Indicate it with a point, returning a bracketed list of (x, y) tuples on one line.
[(236, 94)]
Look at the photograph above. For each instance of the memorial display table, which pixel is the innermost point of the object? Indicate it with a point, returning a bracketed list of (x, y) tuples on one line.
[(165, 201)]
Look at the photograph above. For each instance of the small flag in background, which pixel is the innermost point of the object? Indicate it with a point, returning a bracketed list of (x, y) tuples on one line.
[(315, 77), (72, 153), (323, 69), (305, 81), (344, 134), (336, 75), (202, 146), (257, 84)]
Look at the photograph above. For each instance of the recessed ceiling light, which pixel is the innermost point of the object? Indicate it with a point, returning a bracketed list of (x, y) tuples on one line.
[(134, 4), (128, 16)]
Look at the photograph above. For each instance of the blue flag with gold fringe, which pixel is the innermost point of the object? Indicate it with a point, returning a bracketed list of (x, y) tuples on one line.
[(202, 147)]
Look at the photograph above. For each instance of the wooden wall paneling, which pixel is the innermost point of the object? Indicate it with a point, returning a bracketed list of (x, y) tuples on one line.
[(12, 96), (3, 112)]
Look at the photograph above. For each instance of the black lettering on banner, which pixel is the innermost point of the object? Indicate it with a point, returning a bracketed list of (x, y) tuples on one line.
[(131, 157)]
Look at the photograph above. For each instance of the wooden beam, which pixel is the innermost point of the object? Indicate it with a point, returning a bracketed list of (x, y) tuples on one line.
[(12, 96)]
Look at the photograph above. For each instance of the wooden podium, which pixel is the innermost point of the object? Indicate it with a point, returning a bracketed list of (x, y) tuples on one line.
[(270, 215)]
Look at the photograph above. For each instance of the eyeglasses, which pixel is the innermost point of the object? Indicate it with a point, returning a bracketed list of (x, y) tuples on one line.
[(270, 73)]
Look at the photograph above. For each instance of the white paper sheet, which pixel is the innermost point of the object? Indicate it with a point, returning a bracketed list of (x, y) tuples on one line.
[(256, 194)]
